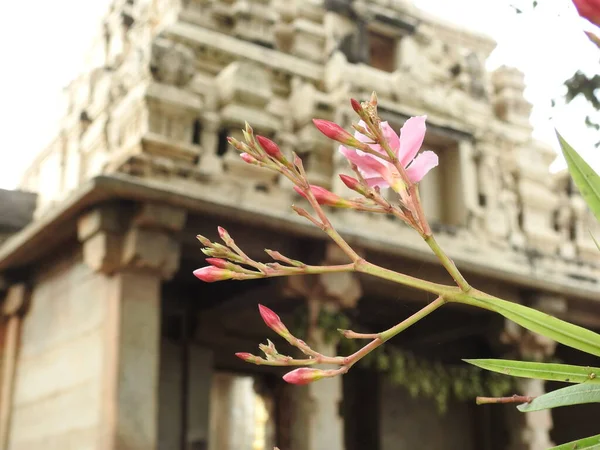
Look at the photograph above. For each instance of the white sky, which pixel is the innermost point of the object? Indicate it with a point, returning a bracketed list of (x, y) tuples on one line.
[(42, 44)]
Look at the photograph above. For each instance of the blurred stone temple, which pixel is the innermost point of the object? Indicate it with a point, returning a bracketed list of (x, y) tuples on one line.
[(109, 342)]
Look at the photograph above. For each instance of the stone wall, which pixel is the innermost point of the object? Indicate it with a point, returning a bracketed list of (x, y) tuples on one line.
[(57, 397)]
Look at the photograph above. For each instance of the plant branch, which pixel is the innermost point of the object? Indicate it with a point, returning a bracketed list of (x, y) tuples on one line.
[(448, 264), (496, 400)]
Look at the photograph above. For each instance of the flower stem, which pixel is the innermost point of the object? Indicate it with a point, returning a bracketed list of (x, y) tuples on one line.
[(495, 400), (388, 334), (400, 278), (448, 264)]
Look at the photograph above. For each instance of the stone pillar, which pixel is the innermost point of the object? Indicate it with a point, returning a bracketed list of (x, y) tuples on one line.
[(12, 311), (317, 418), (137, 251), (209, 162), (529, 431)]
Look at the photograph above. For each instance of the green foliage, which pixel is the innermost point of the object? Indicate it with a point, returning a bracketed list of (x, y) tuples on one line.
[(588, 443), (540, 371), (586, 180), (571, 395), (563, 332)]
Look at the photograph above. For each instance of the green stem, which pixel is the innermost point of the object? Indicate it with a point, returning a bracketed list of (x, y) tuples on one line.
[(448, 264), (400, 278), (388, 334)]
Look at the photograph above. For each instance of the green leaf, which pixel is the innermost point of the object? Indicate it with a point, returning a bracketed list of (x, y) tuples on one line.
[(571, 395), (586, 180), (540, 371), (563, 332), (595, 241), (589, 443)]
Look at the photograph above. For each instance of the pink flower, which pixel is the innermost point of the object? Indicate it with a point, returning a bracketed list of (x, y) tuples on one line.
[(325, 197), (378, 172), (210, 274), (589, 9), (303, 376), (273, 321)]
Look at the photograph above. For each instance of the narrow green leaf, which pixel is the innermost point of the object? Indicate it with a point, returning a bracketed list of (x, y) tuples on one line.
[(586, 180), (571, 395), (540, 371), (595, 241), (589, 443), (563, 332)]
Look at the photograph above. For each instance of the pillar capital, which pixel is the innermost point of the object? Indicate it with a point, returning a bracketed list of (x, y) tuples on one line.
[(116, 239)]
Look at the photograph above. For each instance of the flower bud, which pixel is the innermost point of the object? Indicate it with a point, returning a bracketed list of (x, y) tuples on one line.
[(356, 106), (249, 158), (350, 182), (270, 147), (588, 9), (273, 321), (248, 357), (223, 234), (219, 262), (206, 242), (210, 274), (303, 375), (325, 197), (337, 133)]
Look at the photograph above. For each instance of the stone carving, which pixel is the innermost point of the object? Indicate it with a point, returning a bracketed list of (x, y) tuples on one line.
[(172, 63)]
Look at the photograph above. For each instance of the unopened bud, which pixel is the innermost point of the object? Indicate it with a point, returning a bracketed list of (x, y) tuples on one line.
[(249, 158), (223, 234), (304, 375), (335, 132), (356, 106), (351, 183), (325, 197), (210, 274), (206, 242), (248, 357), (219, 262), (270, 147), (273, 321)]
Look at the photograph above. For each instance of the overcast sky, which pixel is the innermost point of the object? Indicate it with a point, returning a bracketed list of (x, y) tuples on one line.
[(42, 44)]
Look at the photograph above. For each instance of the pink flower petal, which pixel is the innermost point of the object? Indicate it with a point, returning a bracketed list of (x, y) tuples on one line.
[(361, 137), (391, 136), (422, 164), (411, 139), (377, 182), (368, 165)]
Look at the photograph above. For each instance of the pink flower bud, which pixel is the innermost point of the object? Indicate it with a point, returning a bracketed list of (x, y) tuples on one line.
[(223, 234), (270, 147), (248, 158), (273, 321), (356, 106), (589, 9), (303, 375), (218, 262), (325, 197), (335, 132), (248, 357), (210, 274), (351, 183)]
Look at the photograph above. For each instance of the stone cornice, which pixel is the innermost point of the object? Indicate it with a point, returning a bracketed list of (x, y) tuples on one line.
[(392, 239)]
